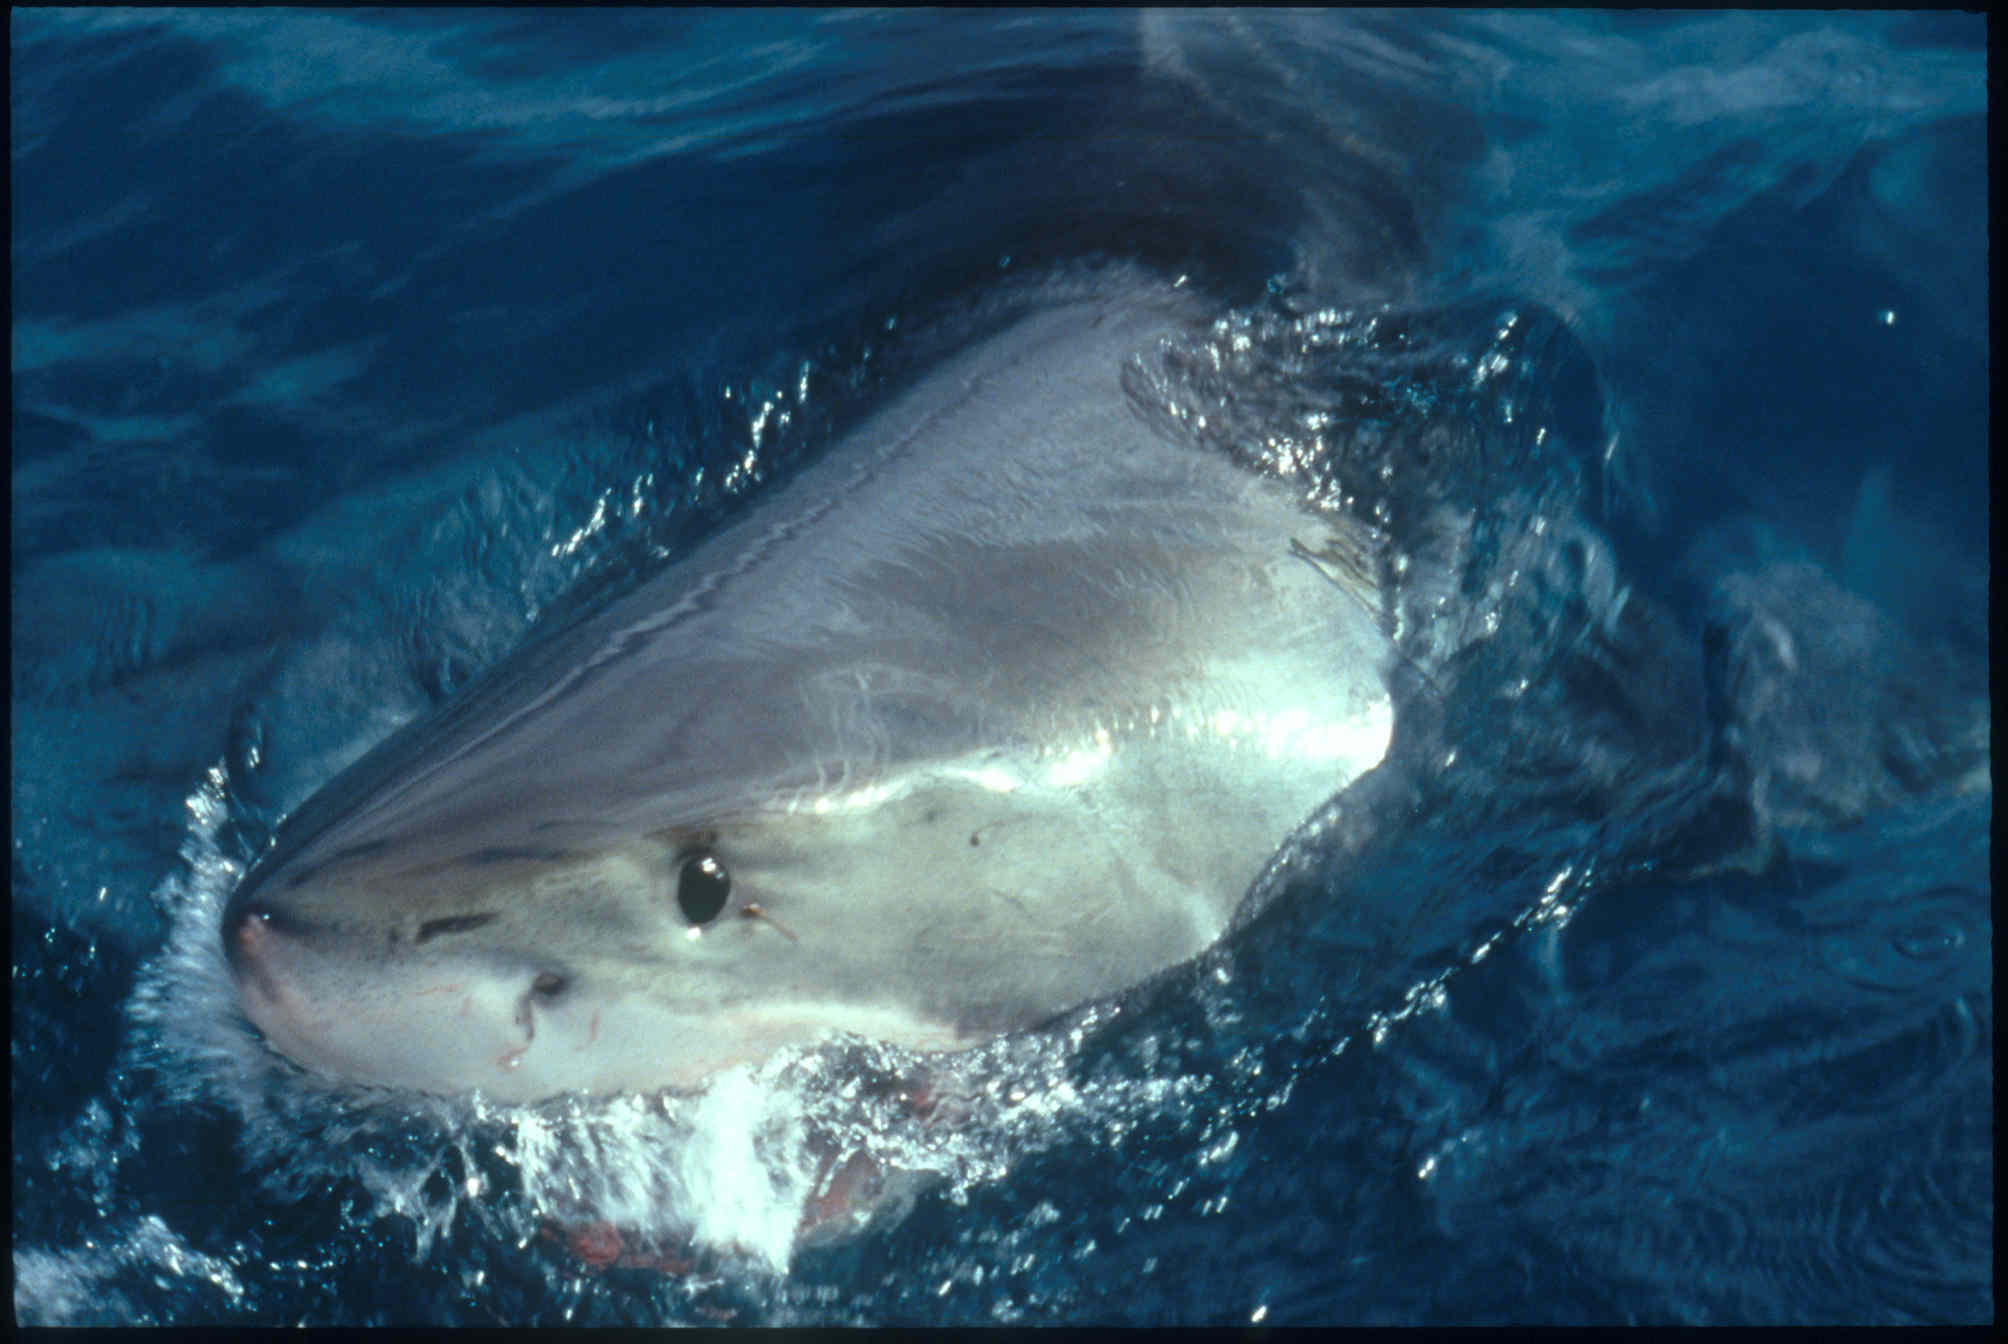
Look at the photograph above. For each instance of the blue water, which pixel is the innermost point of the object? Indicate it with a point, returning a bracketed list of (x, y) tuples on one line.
[(349, 348)]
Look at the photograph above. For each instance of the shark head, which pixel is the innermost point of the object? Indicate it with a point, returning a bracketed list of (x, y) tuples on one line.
[(996, 710)]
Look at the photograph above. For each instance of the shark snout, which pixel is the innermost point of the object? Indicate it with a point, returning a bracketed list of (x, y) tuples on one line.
[(347, 1005), (268, 954), (250, 929)]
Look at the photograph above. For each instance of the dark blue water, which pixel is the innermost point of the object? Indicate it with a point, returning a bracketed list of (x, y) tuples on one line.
[(1655, 985)]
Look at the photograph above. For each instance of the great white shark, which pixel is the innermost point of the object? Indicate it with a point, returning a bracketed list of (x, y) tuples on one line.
[(997, 709)]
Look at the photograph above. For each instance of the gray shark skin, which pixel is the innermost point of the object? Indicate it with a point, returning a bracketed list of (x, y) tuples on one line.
[(995, 710)]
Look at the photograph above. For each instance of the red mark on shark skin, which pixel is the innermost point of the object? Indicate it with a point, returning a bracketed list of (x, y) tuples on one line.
[(752, 911), (599, 1246), (850, 1186), (847, 1188)]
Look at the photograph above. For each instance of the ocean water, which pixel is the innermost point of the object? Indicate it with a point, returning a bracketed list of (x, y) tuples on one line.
[(1653, 982)]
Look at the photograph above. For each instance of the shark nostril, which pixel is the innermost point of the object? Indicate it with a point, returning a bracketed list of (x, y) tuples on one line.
[(433, 928), (544, 990)]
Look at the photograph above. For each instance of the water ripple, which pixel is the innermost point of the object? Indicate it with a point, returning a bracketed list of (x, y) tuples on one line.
[(1909, 943)]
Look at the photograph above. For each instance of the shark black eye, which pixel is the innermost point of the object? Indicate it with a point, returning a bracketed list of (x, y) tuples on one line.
[(702, 884)]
